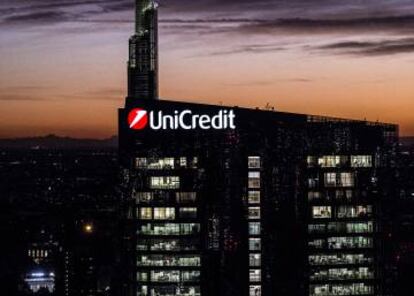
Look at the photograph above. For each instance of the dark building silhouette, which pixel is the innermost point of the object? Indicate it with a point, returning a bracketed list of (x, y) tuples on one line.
[(232, 201), (143, 52)]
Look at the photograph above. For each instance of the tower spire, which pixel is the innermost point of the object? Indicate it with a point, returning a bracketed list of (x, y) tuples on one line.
[(143, 52)]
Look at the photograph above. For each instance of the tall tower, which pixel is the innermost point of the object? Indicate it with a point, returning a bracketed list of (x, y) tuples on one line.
[(143, 53)]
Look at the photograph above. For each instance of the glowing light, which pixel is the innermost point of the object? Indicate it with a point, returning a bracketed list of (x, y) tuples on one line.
[(88, 228)]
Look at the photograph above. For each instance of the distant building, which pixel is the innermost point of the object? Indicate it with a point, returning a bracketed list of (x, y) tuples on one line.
[(243, 202)]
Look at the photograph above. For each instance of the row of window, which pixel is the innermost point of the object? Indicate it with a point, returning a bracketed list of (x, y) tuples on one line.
[(167, 245), (340, 259), (169, 276), (361, 273), (165, 163), (332, 161), (169, 260), (341, 227), (163, 197), (165, 213), (333, 179), (254, 227), (170, 229), (342, 212), (338, 194), (357, 242), (341, 289), (172, 290), (165, 182)]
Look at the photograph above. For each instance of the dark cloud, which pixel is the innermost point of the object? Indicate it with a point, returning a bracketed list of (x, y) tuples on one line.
[(370, 48), (253, 48)]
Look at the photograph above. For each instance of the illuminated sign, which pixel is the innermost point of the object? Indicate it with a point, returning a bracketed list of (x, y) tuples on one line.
[(139, 119)]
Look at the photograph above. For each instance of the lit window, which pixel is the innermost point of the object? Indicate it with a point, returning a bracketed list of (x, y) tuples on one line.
[(347, 180), (321, 212), (145, 213), (254, 197), (254, 228), (142, 276), (185, 197), (144, 197), (361, 161), (255, 260), (254, 180), (354, 211), (166, 182), (255, 290), (330, 180), (254, 212), (255, 275), (164, 213), (155, 163), (187, 213), (183, 162), (165, 276), (255, 244), (254, 162), (329, 161)]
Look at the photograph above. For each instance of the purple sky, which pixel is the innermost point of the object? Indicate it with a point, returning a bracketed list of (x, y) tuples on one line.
[(63, 63)]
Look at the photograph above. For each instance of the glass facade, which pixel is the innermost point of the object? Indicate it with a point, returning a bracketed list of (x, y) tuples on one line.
[(168, 234)]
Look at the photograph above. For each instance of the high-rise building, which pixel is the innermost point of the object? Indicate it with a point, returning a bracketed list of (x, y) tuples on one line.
[(143, 52), (246, 202)]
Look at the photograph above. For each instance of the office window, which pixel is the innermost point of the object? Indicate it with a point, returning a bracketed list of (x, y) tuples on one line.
[(354, 211), (186, 197), (144, 197), (183, 162), (164, 213), (255, 290), (166, 182), (330, 180), (254, 228), (350, 242), (254, 162), (316, 228), (329, 161), (169, 276), (142, 276), (254, 180), (190, 276), (155, 163), (361, 161), (254, 213), (254, 197), (347, 179), (255, 244), (255, 260), (321, 212), (255, 275), (145, 213), (314, 195), (187, 213), (340, 259), (313, 181), (141, 163)]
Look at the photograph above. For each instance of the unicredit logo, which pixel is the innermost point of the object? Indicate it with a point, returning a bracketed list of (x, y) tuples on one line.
[(139, 119)]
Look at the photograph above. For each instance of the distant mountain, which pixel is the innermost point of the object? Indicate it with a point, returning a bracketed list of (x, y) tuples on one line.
[(56, 142), (407, 141)]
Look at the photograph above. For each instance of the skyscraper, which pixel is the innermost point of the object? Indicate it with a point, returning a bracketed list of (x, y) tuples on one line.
[(229, 201), (143, 52)]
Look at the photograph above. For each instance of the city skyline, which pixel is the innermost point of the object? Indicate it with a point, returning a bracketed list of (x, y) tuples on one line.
[(63, 64)]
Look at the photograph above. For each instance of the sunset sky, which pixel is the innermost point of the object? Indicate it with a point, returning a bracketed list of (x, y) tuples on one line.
[(63, 63)]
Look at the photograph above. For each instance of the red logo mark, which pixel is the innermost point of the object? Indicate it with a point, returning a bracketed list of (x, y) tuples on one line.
[(138, 119)]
